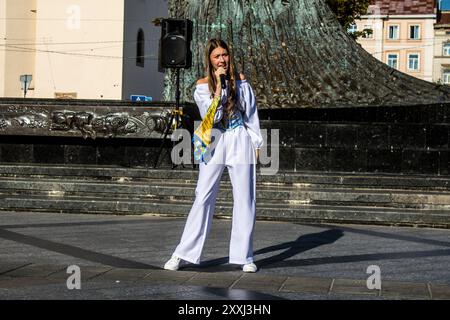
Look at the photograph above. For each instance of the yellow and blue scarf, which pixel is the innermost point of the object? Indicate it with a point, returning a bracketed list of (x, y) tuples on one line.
[(202, 135)]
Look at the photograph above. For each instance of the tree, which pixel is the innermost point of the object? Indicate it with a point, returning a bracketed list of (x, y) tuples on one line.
[(347, 11)]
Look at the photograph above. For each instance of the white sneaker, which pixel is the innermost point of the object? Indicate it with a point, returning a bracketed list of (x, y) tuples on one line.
[(173, 264), (250, 267)]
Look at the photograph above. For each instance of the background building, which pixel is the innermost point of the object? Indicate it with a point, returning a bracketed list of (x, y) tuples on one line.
[(441, 68), (104, 49), (403, 35)]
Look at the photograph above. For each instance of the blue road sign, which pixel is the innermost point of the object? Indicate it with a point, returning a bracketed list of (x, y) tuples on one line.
[(140, 98)]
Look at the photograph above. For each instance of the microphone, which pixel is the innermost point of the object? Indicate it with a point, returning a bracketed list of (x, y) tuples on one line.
[(222, 81)]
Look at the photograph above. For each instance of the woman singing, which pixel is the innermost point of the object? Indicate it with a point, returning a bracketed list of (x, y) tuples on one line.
[(234, 142)]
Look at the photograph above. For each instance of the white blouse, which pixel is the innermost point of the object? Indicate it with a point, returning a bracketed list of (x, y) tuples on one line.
[(246, 104)]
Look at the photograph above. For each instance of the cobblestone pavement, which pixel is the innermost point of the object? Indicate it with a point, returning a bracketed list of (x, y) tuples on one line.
[(120, 257)]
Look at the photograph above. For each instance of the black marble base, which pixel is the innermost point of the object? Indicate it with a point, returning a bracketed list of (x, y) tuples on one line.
[(409, 140), (108, 152)]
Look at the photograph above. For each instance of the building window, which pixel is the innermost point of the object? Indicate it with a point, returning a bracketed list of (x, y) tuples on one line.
[(369, 32), (393, 32), (392, 60), (446, 49), (414, 32), (446, 76), (413, 61), (352, 28), (140, 49)]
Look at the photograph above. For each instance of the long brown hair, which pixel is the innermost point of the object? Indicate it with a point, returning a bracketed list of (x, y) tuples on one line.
[(231, 72)]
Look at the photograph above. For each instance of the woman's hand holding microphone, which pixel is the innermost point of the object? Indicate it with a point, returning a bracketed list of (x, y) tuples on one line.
[(220, 71)]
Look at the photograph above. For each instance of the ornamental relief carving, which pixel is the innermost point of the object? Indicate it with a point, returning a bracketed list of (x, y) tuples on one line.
[(89, 124)]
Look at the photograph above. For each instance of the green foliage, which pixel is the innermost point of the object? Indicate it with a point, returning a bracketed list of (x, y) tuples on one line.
[(347, 11)]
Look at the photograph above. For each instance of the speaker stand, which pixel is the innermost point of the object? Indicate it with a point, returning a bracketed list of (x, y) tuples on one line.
[(174, 114)]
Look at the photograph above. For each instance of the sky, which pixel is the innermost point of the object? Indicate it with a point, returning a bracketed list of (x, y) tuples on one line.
[(445, 4)]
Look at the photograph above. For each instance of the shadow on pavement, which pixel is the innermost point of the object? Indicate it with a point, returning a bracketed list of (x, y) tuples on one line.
[(301, 244)]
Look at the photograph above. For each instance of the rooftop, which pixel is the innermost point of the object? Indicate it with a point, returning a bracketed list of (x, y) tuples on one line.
[(404, 7)]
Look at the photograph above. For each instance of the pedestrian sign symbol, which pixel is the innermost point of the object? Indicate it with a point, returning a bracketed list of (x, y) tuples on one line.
[(140, 98)]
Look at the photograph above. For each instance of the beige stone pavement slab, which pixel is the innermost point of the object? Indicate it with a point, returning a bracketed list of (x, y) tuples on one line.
[(10, 266), (440, 291), (87, 273), (260, 282), (168, 277), (14, 282), (122, 274), (35, 271), (219, 280), (399, 290), (351, 286), (303, 284)]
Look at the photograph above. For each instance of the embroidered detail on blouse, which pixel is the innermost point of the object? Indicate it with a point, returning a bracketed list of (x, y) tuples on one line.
[(233, 122)]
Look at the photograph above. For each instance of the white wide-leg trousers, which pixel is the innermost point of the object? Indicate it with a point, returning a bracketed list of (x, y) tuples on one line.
[(234, 151)]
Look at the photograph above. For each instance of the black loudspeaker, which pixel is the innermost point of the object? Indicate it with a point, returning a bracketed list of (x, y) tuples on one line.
[(175, 43)]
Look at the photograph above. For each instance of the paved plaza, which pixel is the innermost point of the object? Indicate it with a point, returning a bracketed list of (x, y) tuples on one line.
[(121, 257)]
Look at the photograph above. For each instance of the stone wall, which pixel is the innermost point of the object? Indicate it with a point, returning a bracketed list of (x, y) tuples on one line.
[(403, 140), (85, 132), (406, 140)]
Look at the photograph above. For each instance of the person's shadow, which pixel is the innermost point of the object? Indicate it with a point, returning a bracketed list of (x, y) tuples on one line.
[(301, 244)]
